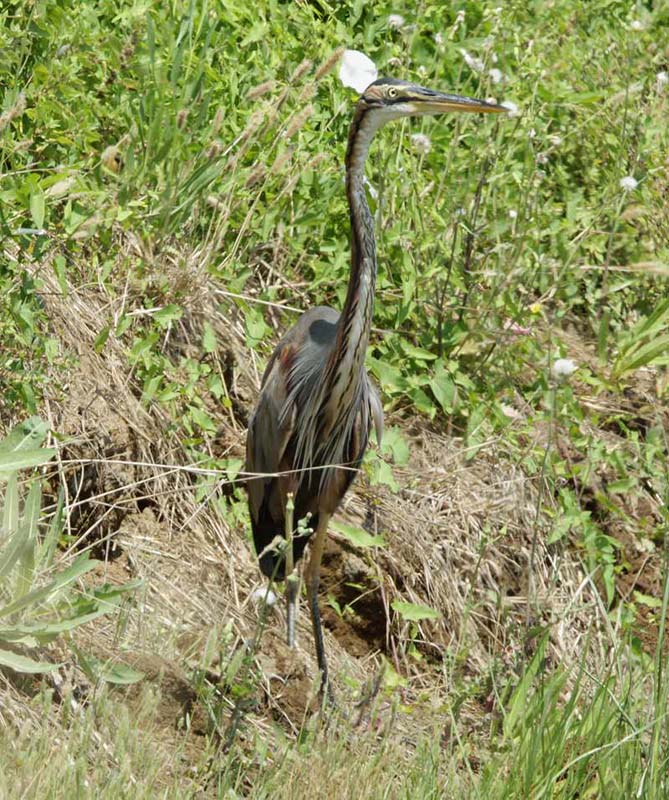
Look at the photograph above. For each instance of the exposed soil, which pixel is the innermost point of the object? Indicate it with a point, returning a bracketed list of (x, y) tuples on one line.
[(360, 623)]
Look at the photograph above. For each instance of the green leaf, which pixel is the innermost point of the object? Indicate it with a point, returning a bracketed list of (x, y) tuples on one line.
[(168, 314), (383, 474), (60, 270), (24, 664), (647, 600), (202, 419), (391, 678), (28, 529), (26, 435), (233, 466), (80, 567), (37, 206), (53, 534), (96, 669), (623, 485), (653, 352), (33, 635), (10, 511), (12, 534), (10, 462), (390, 377), (417, 352), (208, 338), (118, 674), (414, 612), (101, 339), (396, 445), (476, 431), (518, 704), (422, 402), (256, 330), (357, 536), (444, 389)]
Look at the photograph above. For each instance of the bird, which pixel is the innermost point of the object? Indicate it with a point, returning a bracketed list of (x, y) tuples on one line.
[(317, 405)]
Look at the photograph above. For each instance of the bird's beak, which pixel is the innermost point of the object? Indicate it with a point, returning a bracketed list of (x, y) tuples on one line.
[(438, 103)]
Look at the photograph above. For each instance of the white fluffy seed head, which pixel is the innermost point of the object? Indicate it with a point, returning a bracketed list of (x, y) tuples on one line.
[(563, 368), (628, 183), (357, 70), (421, 142), (263, 595), (511, 108)]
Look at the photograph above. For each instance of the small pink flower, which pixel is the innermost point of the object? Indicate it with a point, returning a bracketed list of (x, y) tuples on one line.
[(516, 329)]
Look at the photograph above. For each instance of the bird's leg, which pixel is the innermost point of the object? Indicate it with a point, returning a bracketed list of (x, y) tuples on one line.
[(292, 579), (313, 574)]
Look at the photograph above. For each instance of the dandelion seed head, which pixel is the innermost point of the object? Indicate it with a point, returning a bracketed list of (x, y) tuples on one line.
[(395, 21), (472, 62), (563, 367), (421, 142), (262, 595), (636, 25), (628, 183), (357, 70), (513, 214), (496, 75), (511, 108)]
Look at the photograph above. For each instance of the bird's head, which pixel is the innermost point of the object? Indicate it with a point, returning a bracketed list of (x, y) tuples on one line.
[(390, 98)]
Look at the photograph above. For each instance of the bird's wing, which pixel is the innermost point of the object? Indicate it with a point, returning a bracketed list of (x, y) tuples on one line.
[(270, 428)]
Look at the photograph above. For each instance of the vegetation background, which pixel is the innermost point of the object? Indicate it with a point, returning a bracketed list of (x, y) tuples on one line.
[(171, 197)]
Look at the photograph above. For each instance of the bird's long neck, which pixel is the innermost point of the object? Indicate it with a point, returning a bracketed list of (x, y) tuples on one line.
[(348, 355)]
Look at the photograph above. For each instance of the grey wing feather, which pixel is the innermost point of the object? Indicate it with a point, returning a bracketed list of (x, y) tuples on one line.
[(269, 431)]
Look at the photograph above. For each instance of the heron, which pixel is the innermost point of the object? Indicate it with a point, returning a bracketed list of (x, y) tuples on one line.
[(317, 405)]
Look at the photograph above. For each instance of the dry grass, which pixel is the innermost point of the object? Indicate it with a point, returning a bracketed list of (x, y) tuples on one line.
[(460, 536)]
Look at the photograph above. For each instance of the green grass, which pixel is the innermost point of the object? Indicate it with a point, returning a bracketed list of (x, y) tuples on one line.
[(563, 733), (152, 148)]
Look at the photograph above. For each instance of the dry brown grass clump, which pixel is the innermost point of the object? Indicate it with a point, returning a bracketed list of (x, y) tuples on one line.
[(464, 537)]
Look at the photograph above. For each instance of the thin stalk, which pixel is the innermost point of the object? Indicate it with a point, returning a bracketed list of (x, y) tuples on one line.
[(292, 583)]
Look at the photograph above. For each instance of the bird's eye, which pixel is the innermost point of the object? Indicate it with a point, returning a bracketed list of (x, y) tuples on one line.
[(392, 93)]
